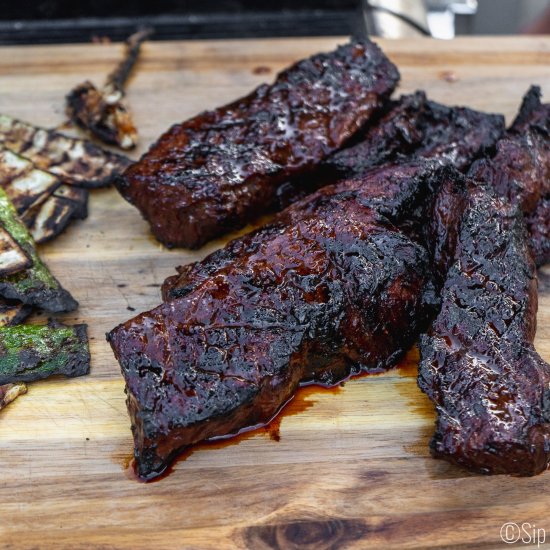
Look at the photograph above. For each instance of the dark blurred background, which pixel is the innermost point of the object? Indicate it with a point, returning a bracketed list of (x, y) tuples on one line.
[(50, 21)]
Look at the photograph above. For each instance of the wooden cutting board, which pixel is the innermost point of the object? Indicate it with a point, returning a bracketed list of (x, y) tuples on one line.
[(351, 468)]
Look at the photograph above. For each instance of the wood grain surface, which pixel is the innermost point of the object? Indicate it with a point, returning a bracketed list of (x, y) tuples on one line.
[(352, 468)]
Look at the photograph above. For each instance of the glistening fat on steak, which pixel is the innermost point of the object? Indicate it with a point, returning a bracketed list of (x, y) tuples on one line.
[(332, 287), (478, 364), (220, 169)]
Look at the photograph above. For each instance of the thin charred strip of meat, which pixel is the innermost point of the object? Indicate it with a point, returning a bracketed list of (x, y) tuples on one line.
[(395, 133), (478, 363), (75, 161), (398, 132), (457, 135), (538, 228), (532, 113), (400, 192), (452, 135), (412, 126), (520, 169), (222, 168), (325, 291)]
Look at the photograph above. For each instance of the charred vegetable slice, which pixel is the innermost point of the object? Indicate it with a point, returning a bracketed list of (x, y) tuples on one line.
[(13, 312), (45, 204), (12, 256), (76, 161), (34, 285), (25, 185), (32, 352), (47, 220), (102, 112), (9, 392)]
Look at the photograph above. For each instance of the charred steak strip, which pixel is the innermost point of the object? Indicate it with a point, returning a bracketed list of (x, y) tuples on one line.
[(453, 135), (220, 169), (538, 227), (457, 135), (412, 126), (397, 132), (520, 170), (323, 292), (478, 364), (400, 192)]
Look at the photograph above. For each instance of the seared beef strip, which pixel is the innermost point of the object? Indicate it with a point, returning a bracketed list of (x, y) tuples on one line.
[(398, 132), (453, 135), (520, 169), (532, 113), (220, 169), (395, 133), (332, 287), (478, 364), (538, 228), (457, 135), (412, 126), (400, 192)]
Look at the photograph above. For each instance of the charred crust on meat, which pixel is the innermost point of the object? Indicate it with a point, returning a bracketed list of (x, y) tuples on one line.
[(220, 169), (333, 287), (478, 364)]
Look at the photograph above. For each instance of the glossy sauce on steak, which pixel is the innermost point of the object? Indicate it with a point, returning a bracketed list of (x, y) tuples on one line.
[(520, 170), (478, 364), (220, 169), (413, 126), (332, 287)]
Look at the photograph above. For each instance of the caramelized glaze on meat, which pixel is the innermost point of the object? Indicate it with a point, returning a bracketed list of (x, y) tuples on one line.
[(412, 126), (520, 169), (478, 364), (332, 287), (220, 169)]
